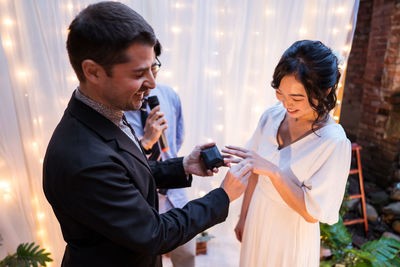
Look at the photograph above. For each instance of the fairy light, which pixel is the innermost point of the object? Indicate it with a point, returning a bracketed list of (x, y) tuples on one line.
[(216, 53), (346, 48), (8, 22), (166, 74), (34, 144), (268, 11), (220, 34), (22, 74), (303, 31), (26, 95), (349, 27), (202, 193), (340, 84), (176, 29), (73, 78), (220, 92), (258, 109), (40, 215), (35, 121), (220, 108), (257, 33), (5, 190), (7, 43), (40, 120), (340, 10), (176, 88), (209, 140), (178, 5), (338, 101), (70, 6), (220, 127), (222, 10), (335, 31), (336, 118), (41, 161)]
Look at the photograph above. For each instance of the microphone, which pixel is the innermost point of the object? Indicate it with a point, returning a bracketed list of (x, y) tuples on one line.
[(153, 102)]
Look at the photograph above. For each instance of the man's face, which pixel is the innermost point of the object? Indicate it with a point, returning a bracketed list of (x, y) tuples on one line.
[(129, 81)]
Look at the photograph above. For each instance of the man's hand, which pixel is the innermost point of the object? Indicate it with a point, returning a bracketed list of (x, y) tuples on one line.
[(236, 178), (153, 128), (193, 164)]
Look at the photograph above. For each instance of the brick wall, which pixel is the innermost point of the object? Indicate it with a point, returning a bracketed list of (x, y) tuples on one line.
[(373, 76)]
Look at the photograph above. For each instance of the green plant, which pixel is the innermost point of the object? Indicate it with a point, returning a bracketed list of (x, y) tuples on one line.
[(27, 255), (377, 253), (204, 237)]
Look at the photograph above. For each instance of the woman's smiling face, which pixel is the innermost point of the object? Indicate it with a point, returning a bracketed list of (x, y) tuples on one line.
[(294, 98)]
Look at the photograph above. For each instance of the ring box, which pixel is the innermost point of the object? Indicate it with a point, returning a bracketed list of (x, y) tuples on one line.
[(212, 158)]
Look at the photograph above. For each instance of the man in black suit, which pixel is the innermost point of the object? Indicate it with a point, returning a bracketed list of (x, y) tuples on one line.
[(95, 176)]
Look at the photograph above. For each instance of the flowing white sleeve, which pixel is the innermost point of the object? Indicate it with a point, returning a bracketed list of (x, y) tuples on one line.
[(324, 189)]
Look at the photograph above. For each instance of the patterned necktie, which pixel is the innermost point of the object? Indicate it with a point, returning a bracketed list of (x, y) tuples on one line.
[(154, 152)]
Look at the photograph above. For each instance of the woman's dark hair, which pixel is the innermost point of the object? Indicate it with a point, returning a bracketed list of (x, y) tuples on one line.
[(316, 67), (102, 32)]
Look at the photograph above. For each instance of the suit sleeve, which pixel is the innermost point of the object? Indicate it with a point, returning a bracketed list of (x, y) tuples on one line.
[(103, 198), (170, 173)]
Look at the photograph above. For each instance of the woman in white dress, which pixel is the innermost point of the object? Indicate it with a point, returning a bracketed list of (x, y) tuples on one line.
[(300, 161)]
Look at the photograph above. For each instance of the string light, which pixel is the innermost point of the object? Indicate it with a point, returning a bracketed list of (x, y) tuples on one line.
[(22, 74), (70, 6), (5, 190), (220, 34), (220, 127), (340, 84), (349, 27), (176, 29), (338, 101), (220, 108), (7, 43), (166, 73), (220, 92), (340, 10), (335, 31), (40, 215), (41, 161), (303, 31), (178, 5), (268, 11), (257, 33), (346, 48), (34, 144), (216, 53), (202, 193), (8, 22)]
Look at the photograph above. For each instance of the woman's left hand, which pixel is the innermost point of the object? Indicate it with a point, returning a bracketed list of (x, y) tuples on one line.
[(258, 164)]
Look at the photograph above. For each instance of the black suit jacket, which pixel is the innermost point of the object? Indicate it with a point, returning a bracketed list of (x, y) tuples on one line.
[(103, 193)]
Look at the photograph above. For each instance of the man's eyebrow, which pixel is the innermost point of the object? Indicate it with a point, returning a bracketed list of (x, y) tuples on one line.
[(140, 69)]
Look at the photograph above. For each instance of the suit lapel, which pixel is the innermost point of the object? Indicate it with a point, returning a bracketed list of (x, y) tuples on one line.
[(105, 128)]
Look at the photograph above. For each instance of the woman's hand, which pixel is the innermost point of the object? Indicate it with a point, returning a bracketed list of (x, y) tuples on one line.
[(240, 228), (258, 164)]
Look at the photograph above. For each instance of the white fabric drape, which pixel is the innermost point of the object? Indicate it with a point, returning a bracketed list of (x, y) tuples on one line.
[(219, 56)]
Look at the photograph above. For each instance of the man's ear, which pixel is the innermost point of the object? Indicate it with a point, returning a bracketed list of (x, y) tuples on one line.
[(93, 72)]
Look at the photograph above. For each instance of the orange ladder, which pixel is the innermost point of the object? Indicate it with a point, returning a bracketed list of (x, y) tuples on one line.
[(355, 149)]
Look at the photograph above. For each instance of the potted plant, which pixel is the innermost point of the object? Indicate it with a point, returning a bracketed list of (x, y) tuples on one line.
[(27, 255), (201, 243)]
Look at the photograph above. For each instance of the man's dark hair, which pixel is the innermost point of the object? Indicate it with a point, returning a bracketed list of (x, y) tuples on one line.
[(316, 67), (102, 32), (157, 48)]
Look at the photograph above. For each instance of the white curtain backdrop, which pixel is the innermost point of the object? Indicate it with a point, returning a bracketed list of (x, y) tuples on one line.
[(219, 55)]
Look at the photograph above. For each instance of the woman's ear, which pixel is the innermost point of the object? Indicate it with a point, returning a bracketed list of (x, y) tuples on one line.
[(328, 91)]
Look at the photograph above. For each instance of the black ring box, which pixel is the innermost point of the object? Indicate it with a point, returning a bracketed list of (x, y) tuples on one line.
[(212, 158)]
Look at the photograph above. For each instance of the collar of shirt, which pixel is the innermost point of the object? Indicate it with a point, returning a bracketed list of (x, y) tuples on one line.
[(113, 115)]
